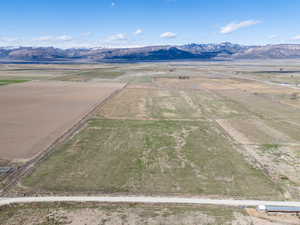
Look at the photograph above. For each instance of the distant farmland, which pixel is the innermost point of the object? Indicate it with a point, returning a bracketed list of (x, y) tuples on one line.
[(227, 130)]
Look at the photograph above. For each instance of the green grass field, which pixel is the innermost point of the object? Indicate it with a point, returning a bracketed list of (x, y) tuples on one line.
[(6, 82), (86, 75), (151, 157)]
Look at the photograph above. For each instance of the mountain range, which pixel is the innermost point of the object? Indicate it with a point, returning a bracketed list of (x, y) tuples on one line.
[(222, 51)]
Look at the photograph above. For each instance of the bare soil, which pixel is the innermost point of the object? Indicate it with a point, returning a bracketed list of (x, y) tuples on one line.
[(34, 114)]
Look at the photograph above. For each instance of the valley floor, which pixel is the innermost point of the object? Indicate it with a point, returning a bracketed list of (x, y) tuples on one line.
[(217, 130)]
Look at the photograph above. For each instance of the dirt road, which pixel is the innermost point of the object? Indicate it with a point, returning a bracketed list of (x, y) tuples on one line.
[(145, 199)]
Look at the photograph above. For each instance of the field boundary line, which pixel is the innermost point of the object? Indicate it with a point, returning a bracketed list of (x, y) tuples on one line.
[(28, 167)]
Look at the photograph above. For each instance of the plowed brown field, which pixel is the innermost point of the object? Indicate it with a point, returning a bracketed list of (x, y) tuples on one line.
[(35, 114)]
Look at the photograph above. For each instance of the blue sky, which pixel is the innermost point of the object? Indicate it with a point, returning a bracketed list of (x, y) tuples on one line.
[(123, 23)]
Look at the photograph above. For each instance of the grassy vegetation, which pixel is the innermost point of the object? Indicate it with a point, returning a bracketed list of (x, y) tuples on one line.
[(137, 79), (274, 150), (159, 157), (36, 74), (270, 146), (291, 77), (116, 214), (172, 157), (5, 82), (170, 104), (85, 75)]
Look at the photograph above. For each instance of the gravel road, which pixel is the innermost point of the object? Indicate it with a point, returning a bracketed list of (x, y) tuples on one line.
[(145, 199)]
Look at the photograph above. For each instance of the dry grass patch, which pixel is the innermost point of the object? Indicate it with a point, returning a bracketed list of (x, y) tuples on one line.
[(137, 103), (253, 131), (119, 214), (217, 83), (260, 106), (275, 147)]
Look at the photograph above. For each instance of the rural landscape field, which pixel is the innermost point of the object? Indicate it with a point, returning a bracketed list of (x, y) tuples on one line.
[(161, 112), (219, 130)]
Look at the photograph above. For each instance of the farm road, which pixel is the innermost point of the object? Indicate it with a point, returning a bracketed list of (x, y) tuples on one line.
[(145, 199)]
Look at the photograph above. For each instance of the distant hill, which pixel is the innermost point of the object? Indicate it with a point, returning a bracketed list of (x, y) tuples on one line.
[(282, 51), (224, 51)]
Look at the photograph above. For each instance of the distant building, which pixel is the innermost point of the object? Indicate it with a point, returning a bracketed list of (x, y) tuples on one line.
[(279, 209)]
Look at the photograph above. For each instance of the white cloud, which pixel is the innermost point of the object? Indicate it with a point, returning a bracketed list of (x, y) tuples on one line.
[(296, 37), (138, 32), (9, 39), (273, 36), (168, 35), (86, 34), (235, 26), (118, 37), (44, 38), (64, 38), (53, 38)]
